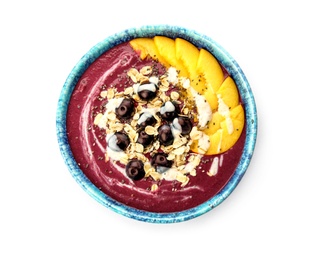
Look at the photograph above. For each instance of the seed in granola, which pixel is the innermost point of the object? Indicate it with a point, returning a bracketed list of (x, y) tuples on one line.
[(159, 160), (166, 137), (169, 110), (118, 141), (125, 109), (144, 138), (135, 170), (147, 91), (182, 124)]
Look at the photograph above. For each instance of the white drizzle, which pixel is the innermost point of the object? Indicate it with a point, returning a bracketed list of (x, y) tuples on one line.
[(224, 110), (214, 167), (111, 140), (204, 143), (203, 108), (176, 127), (113, 151), (172, 75), (144, 116), (149, 86), (168, 107)]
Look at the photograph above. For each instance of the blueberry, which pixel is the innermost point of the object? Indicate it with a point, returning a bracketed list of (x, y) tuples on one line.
[(144, 138), (169, 110), (147, 91), (126, 109), (146, 119), (160, 160), (183, 124), (118, 142), (135, 169), (165, 135)]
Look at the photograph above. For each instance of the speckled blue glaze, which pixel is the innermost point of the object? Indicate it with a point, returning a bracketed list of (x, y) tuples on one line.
[(200, 41)]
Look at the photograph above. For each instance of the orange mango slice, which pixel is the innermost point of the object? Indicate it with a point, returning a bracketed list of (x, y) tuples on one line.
[(166, 48), (146, 47), (229, 93), (211, 70), (188, 54)]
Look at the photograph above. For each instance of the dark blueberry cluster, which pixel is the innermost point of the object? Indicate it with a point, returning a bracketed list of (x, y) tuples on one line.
[(171, 121)]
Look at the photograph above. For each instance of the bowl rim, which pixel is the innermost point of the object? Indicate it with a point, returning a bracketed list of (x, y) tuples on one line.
[(201, 41)]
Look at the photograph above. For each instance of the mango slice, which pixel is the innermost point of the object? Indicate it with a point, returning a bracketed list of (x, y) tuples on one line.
[(215, 143), (211, 70), (166, 48), (229, 92), (146, 47), (211, 98), (188, 54), (214, 124)]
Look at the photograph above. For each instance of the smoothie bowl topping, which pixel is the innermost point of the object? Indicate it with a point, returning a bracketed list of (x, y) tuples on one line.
[(156, 126)]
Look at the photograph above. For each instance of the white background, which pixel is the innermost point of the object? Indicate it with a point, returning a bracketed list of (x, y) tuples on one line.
[(45, 214)]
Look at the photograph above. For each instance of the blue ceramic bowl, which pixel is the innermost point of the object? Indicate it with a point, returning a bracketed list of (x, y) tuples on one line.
[(200, 41)]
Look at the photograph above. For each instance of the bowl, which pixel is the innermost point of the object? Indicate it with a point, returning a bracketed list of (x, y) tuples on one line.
[(76, 82)]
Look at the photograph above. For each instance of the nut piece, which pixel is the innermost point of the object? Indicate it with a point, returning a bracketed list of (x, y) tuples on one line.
[(133, 74), (175, 95), (154, 187), (147, 70), (150, 130)]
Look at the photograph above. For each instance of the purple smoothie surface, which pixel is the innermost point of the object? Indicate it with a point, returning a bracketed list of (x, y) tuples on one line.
[(88, 143)]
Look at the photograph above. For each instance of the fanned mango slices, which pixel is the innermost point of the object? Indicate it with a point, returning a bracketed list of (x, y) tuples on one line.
[(225, 131), (207, 78)]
